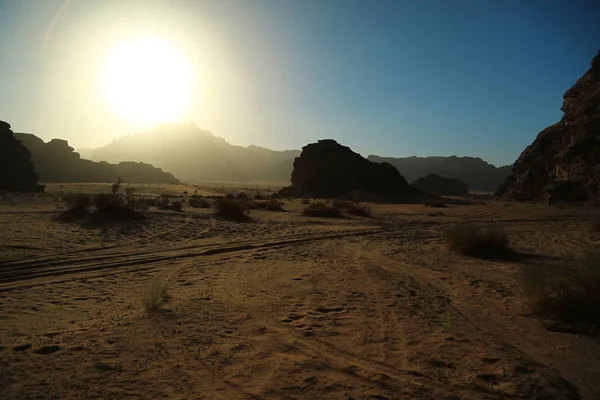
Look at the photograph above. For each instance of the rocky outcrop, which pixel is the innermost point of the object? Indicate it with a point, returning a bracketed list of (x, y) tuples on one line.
[(17, 171), (56, 161), (475, 172), (328, 169), (563, 163), (441, 186)]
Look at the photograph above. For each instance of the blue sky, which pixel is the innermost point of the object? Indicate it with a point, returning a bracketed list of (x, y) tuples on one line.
[(392, 78)]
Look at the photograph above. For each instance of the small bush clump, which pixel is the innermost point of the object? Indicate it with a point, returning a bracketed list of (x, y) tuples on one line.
[(478, 241), (568, 292), (435, 202), (267, 205), (231, 208), (199, 202), (78, 200), (357, 209), (155, 296), (321, 209)]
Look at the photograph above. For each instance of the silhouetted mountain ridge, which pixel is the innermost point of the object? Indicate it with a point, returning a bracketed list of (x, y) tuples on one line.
[(56, 161), (475, 172), (191, 153)]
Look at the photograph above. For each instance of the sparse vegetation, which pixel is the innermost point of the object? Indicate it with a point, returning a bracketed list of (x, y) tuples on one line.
[(156, 295), (352, 208), (478, 241), (435, 202), (199, 202), (321, 209), (267, 205), (231, 208), (78, 200), (568, 292)]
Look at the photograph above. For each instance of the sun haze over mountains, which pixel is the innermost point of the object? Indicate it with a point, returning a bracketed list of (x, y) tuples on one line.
[(398, 79)]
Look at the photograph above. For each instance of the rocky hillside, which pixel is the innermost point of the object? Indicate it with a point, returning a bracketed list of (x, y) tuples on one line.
[(563, 162), (441, 186), (17, 171), (328, 169), (194, 154), (475, 172), (56, 161)]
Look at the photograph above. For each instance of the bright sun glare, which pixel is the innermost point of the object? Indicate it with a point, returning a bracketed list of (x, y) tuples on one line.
[(147, 81)]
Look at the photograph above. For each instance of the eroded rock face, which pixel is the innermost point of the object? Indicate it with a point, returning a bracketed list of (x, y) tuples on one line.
[(17, 172), (441, 186), (328, 169), (563, 163)]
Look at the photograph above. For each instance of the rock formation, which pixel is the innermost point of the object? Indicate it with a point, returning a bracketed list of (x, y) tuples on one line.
[(475, 172), (442, 186), (563, 163), (328, 169), (17, 172), (56, 161)]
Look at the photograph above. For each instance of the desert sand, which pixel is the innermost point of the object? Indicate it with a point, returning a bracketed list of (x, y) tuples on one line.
[(285, 306)]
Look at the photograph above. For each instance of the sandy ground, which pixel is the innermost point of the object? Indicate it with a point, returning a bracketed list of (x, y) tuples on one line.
[(285, 307)]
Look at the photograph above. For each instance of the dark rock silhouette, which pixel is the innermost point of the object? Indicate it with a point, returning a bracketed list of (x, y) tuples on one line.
[(475, 172), (328, 169), (17, 171), (195, 154), (56, 161), (563, 163), (442, 186)]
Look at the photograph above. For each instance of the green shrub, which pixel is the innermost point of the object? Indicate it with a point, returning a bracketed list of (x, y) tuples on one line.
[(320, 209), (478, 241)]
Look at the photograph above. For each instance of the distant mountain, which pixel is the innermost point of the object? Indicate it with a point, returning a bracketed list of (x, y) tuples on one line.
[(56, 161), (191, 153), (476, 173)]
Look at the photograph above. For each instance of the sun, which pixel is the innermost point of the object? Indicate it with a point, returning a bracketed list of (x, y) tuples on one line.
[(147, 81)]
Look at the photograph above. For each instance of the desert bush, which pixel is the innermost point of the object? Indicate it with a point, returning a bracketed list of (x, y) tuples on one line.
[(78, 200), (199, 202), (595, 225), (343, 204), (478, 241), (156, 295), (106, 201), (267, 205), (320, 209), (231, 208), (435, 202), (305, 201), (176, 205), (357, 209), (569, 291)]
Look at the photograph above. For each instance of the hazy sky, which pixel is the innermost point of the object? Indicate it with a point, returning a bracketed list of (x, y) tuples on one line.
[(393, 78)]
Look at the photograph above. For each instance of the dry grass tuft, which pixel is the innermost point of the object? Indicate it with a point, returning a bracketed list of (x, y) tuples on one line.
[(479, 241), (267, 205), (320, 209), (199, 202), (155, 296), (232, 209), (435, 202), (568, 292)]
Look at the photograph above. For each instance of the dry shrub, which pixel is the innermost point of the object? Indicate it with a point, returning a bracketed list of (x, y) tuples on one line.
[(435, 202), (78, 200), (478, 241), (595, 225), (343, 204), (199, 202), (568, 292), (305, 201), (361, 211), (156, 295), (176, 205), (108, 201), (320, 209), (231, 208), (267, 205)]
